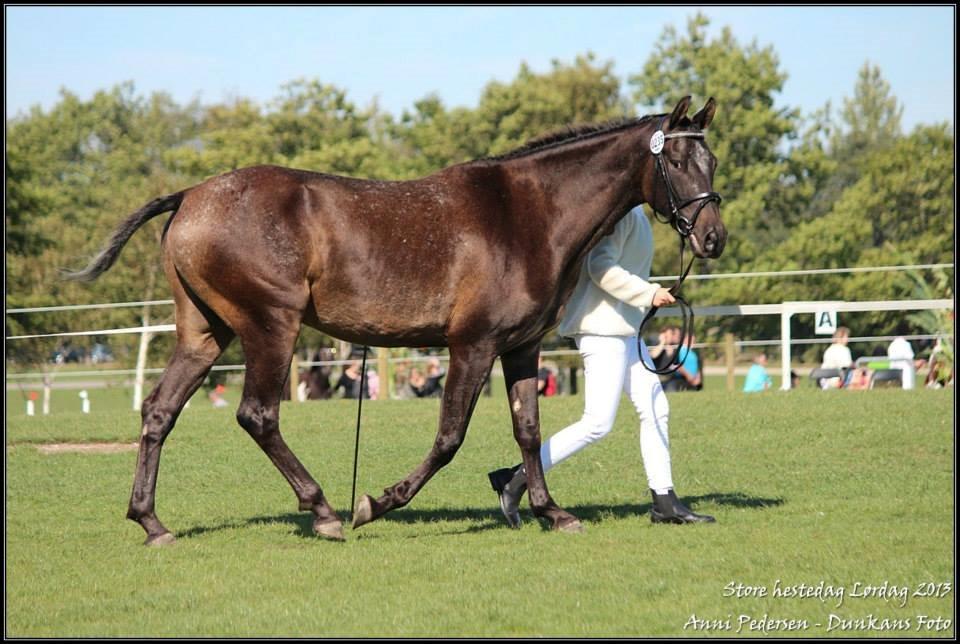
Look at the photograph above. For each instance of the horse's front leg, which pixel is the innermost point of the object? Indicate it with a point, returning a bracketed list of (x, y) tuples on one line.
[(520, 371), (469, 368)]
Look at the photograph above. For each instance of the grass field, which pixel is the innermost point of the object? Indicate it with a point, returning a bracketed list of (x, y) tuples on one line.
[(814, 493)]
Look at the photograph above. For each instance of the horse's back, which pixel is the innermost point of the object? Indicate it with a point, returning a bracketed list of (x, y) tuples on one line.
[(404, 261)]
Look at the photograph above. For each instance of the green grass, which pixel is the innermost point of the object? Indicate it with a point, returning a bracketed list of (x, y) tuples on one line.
[(844, 488)]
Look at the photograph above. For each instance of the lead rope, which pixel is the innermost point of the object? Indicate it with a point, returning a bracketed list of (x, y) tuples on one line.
[(356, 445), (686, 312)]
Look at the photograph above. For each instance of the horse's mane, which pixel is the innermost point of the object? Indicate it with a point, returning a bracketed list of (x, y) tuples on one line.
[(570, 134)]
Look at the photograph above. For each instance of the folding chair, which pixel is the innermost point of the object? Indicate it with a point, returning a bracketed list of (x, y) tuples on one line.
[(887, 378), (819, 374)]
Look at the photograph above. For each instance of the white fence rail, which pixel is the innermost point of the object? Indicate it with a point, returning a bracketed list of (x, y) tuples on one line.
[(786, 311), (656, 278)]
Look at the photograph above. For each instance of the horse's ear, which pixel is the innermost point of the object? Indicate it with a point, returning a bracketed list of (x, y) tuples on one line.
[(679, 111), (704, 117)]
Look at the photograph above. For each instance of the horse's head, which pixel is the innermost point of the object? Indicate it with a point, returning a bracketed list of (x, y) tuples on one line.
[(681, 183)]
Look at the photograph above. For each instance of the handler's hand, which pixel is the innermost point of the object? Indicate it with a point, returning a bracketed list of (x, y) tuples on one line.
[(663, 296)]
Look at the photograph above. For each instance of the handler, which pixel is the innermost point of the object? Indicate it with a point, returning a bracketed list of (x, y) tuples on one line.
[(603, 316)]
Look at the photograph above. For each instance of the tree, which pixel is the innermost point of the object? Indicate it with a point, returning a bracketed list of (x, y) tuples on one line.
[(432, 137), (899, 212), (745, 135), (76, 171), (509, 114), (870, 119)]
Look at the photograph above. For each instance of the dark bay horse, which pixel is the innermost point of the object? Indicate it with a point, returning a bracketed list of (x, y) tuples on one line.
[(257, 252)]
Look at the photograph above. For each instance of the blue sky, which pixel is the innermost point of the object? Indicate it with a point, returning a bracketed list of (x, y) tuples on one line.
[(400, 54)]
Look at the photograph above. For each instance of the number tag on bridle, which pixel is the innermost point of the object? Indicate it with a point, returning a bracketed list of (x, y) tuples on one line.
[(656, 142)]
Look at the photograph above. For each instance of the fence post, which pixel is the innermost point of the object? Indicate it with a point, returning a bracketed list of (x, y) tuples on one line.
[(729, 350), (294, 378), (383, 370), (785, 316), (46, 393), (145, 338)]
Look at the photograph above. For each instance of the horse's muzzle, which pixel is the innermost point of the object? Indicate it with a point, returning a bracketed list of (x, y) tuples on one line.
[(711, 245)]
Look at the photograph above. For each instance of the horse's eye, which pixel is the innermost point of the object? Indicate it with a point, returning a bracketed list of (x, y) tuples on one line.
[(676, 164)]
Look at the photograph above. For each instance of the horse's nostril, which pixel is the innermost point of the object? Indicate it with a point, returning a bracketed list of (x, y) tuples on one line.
[(710, 242)]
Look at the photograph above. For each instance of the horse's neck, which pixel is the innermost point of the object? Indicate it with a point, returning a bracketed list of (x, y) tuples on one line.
[(589, 186)]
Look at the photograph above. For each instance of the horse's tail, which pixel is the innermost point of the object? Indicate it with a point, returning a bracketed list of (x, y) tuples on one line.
[(106, 257)]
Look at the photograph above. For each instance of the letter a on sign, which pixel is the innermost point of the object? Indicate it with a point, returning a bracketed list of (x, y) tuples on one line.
[(826, 321)]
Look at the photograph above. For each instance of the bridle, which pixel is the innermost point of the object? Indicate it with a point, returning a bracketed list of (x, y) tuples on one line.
[(684, 228)]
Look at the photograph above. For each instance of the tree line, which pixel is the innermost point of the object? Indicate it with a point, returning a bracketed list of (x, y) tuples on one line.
[(836, 188)]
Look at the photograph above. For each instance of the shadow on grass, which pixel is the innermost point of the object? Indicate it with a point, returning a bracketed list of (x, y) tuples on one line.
[(599, 513), (489, 517)]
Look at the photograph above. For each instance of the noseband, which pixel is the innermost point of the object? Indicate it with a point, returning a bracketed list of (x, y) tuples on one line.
[(684, 228)]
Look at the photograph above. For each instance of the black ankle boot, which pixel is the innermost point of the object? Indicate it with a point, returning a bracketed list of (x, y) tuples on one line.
[(509, 483), (668, 509)]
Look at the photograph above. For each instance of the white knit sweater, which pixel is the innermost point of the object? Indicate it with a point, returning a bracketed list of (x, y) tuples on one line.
[(612, 294)]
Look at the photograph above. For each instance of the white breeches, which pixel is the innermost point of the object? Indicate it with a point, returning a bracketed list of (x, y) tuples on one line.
[(612, 364)]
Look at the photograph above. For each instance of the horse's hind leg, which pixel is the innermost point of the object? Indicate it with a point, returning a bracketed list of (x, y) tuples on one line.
[(268, 345), (469, 367), (201, 338), (520, 372)]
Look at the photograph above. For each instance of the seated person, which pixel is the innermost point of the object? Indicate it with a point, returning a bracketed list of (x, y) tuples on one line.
[(688, 376), (837, 356), (428, 386), (350, 381), (546, 381), (940, 369), (667, 342), (901, 357), (859, 379), (757, 377)]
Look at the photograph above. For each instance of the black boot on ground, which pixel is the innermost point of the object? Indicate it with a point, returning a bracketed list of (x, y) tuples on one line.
[(509, 483), (667, 508)]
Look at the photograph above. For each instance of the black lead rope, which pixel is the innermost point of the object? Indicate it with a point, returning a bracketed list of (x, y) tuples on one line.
[(356, 445), (686, 328)]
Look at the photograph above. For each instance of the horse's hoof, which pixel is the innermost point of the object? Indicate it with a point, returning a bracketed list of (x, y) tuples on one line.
[(332, 530), (570, 526), (164, 539), (363, 513)]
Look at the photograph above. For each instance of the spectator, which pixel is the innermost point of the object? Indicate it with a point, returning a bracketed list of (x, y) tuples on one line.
[(401, 381), (859, 379), (216, 396), (414, 384), (350, 381), (940, 371), (837, 356), (688, 376), (663, 352), (373, 384), (546, 380), (315, 382), (428, 386), (901, 357), (757, 377)]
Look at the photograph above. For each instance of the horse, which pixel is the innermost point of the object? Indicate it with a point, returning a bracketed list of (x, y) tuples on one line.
[(257, 252)]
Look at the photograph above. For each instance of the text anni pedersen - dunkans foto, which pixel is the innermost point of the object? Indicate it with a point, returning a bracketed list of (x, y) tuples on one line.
[(898, 595)]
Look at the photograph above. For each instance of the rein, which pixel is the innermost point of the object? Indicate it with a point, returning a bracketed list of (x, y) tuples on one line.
[(356, 445), (684, 228)]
